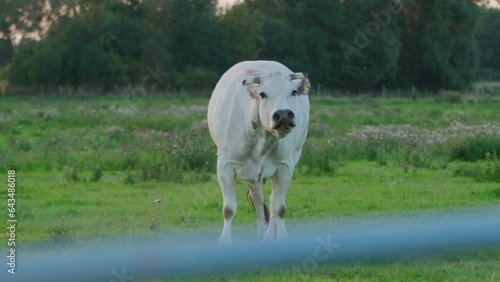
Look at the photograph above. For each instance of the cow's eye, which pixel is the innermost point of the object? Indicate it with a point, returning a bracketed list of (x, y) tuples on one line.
[(294, 93), (262, 95)]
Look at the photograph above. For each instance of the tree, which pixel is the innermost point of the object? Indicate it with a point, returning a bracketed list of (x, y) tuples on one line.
[(321, 37), (487, 34), (348, 44), (6, 51), (245, 31), (372, 49), (97, 48), (195, 40), (22, 63), (299, 49), (439, 50)]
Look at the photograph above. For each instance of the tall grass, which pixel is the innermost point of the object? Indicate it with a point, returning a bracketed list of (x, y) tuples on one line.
[(410, 146), (176, 153), (158, 139), (485, 171)]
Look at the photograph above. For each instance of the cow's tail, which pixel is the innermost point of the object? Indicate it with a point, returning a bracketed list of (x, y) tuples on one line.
[(266, 210)]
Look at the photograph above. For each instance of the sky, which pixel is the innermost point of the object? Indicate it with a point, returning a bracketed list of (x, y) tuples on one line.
[(224, 3)]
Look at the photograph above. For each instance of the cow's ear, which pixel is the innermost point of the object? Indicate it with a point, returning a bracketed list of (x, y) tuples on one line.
[(302, 86), (252, 85)]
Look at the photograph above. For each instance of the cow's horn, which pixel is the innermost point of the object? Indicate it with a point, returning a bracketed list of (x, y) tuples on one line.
[(252, 80), (298, 75)]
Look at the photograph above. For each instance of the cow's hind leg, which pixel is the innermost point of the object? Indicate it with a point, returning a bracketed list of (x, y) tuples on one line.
[(281, 181), (227, 183), (257, 200)]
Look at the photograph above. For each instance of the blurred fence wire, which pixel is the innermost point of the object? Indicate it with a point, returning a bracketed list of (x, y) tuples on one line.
[(308, 248)]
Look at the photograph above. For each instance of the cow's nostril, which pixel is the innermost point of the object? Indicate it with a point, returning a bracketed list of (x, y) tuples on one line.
[(291, 115), (276, 116)]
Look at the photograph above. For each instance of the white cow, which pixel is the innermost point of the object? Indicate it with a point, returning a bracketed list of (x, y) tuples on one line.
[(258, 117)]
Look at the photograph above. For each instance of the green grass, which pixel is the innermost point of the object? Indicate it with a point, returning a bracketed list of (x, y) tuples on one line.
[(90, 210), (156, 147)]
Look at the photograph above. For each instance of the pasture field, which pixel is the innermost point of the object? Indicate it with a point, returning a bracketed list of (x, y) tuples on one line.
[(90, 169)]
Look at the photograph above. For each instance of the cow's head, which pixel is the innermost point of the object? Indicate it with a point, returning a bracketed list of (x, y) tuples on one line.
[(279, 98)]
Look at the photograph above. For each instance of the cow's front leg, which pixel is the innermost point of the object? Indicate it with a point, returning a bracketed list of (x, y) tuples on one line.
[(281, 181), (257, 196), (227, 183)]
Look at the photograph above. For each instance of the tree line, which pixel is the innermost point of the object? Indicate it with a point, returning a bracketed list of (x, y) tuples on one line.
[(187, 44)]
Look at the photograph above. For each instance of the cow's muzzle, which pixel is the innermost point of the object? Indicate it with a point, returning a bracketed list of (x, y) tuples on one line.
[(283, 120)]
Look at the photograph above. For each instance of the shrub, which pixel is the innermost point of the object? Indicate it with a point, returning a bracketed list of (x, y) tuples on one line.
[(128, 157), (412, 146), (60, 233), (417, 157), (469, 143), (472, 148), (96, 175), (408, 145), (71, 174), (130, 178), (169, 169), (180, 152), (495, 193), (194, 149), (318, 156), (487, 171), (197, 78), (21, 144), (452, 97)]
